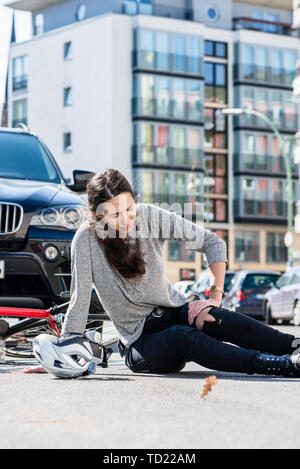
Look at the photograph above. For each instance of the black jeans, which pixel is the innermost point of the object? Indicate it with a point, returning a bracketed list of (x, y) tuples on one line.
[(168, 342)]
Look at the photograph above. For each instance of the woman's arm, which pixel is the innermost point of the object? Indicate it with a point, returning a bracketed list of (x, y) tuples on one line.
[(169, 225), (81, 283)]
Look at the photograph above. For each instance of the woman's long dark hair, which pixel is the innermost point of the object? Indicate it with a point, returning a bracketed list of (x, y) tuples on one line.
[(124, 257)]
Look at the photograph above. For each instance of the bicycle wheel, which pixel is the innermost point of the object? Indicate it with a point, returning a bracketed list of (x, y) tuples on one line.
[(18, 341)]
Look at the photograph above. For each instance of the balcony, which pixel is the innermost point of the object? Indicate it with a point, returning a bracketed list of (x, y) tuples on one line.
[(19, 82), (167, 109), (167, 157), (262, 164), (194, 207), (167, 62), (244, 22), (269, 75), (254, 210), (282, 120)]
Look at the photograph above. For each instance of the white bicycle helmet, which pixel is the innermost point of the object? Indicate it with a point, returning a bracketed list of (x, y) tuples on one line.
[(67, 358)]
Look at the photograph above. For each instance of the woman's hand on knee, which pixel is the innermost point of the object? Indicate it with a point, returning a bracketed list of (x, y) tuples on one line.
[(200, 306)]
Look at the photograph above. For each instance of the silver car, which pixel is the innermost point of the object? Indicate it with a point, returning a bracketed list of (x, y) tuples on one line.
[(282, 301)]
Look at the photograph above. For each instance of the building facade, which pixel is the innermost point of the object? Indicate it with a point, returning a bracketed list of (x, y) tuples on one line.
[(140, 85)]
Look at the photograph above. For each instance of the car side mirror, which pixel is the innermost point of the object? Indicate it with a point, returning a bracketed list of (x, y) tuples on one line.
[(81, 178), (275, 284)]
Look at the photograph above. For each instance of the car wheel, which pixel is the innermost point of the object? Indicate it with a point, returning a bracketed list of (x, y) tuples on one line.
[(296, 313), (268, 315)]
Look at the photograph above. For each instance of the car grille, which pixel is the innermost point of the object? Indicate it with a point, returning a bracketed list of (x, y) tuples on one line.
[(11, 216)]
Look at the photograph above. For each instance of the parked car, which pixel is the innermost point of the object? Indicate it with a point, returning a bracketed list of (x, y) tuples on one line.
[(202, 283), (39, 215), (248, 291), (184, 286), (283, 300)]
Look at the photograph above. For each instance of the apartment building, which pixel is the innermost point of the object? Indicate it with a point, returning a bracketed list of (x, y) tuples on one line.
[(140, 85)]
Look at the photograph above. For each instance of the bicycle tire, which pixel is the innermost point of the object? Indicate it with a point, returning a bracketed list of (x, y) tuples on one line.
[(24, 332)]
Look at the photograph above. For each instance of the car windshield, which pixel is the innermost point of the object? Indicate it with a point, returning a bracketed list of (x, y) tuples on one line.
[(23, 157), (229, 281), (259, 280), (203, 280)]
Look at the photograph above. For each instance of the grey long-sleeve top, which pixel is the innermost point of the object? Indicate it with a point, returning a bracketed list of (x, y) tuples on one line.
[(128, 302)]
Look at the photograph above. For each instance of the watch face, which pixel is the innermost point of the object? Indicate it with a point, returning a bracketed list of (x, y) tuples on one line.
[(80, 12)]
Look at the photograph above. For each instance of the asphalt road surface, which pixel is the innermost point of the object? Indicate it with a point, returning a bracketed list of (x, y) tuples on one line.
[(116, 408)]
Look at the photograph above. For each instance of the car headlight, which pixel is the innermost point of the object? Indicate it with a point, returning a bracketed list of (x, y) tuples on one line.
[(66, 216)]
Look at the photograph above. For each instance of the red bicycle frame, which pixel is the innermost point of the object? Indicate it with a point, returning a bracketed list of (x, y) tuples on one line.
[(30, 313)]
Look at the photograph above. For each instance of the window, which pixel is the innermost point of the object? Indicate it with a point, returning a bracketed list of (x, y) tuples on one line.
[(194, 55), (68, 96), (266, 16), (147, 186), (147, 143), (162, 51), (296, 278), (67, 50), (275, 248), (38, 25), (19, 112), (24, 157), (147, 95), (246, 246), (215, 79), (179, 94), (215, 49), (147, 46), (133, 7), (163, 183), (215, 129), (215, 210), (179, 145), (172, 98), (215, 167), (163, 97), (67, 141), (194, 98), (194, 147), (20, 72), (278, 200), (162, 149), (167, 51), (172, 187), (179, 54), (178, 252), (145, 7)]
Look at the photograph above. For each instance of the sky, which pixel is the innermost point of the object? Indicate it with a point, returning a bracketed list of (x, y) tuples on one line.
[(23, 32)]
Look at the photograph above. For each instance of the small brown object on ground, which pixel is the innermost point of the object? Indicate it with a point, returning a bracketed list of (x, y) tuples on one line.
[(210, 381)]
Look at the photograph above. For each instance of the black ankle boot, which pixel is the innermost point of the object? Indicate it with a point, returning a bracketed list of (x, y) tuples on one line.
[(283, 365)]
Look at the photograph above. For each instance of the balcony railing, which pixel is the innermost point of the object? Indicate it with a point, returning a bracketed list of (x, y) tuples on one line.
[(20, 82), (262, 163), (194, 203), (167, 109), (281, 119), (273, 27), (179, 64), (264, 74), (167, 156), (260, 209)]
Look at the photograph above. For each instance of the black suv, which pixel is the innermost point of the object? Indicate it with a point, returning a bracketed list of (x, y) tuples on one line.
[(39, 215)]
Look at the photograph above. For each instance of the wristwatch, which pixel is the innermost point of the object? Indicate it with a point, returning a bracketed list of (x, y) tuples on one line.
[(214, 288)]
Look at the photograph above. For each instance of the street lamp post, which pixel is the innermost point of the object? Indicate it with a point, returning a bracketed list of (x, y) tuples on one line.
[(287, 161)]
